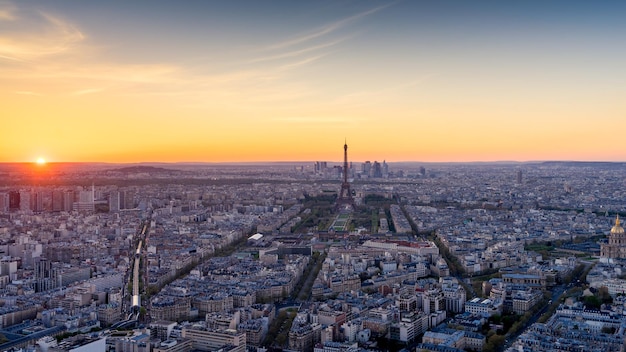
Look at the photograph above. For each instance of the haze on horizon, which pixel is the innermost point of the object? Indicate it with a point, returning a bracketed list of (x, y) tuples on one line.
[(209, 81)]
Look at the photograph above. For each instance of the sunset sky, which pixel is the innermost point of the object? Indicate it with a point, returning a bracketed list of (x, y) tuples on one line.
[(209, 81)]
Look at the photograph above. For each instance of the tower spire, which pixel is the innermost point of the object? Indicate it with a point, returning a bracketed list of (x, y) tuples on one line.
[(345, 162), (345, 195)]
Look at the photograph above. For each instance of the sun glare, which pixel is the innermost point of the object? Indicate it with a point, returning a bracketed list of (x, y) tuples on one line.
[(41, 161)]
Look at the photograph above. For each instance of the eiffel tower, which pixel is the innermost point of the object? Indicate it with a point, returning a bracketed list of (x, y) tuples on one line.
[(345, 200)]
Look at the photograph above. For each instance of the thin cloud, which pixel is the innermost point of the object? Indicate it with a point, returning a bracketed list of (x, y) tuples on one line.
[(312, 120), (295, 53), (105, 72), (382, 95), (10, 58), (311, 49), (25, 92), (70, 34), (87, 91), (127, 73), (58, 36), (6, 15), (304, 38), (300, 63), (45, 47), (324, 30), (7, 11)]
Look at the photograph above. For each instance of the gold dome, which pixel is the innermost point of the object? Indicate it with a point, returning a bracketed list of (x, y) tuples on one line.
[(617, 229)]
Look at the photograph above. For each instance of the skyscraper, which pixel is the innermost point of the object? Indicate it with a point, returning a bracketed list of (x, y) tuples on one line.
[(68, 201), (4, 202), (114, 201), (85, 201), (14, 200), (57, 200), (366, 168), (25, 200), (45, 275), (127, 199), (378, 170), (36, 201)]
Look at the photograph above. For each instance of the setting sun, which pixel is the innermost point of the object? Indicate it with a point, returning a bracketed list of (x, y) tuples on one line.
[(530, 82), (41, 161)]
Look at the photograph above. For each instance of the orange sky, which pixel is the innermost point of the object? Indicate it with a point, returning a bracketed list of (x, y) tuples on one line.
[(210, 85)]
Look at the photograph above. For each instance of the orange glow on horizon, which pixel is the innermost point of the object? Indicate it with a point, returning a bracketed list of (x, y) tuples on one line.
[(76, 91)]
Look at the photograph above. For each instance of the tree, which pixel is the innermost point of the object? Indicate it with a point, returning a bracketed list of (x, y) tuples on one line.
[(496, 318), (592, 302), (604, 296), (281, 339), (364, 276), (494, 343), (608, 330)]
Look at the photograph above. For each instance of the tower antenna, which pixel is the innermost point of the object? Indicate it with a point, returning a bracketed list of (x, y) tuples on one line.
[(345, 195)]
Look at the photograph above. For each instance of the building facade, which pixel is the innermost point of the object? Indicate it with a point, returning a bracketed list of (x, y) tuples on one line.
[(616, 246)]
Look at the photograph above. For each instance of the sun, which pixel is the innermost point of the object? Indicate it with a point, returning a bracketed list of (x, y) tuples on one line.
[(41, 161)]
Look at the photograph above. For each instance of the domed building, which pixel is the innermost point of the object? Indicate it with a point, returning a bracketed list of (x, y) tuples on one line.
[(616, 247)]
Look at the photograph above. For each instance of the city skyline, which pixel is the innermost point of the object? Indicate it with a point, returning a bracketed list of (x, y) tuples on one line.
[(253, 81)]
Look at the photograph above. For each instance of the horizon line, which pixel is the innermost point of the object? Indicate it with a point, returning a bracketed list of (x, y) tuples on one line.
[(313, 161)]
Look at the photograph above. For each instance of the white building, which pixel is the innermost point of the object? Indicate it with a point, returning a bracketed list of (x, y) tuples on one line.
[(483, 307)]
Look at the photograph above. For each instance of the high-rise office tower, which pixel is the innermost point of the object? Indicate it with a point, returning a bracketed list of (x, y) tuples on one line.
[(57, 200), (114, 201), (366, 168), (36, 201), (85, 201), (43, 268), (45, 275), (25, 200), (85, 197), (4, 202), (377, 170), (68, 201), (129, 200), (14, 200)]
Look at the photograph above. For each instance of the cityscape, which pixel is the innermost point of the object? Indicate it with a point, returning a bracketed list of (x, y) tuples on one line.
[(328, 176), (321, 256)]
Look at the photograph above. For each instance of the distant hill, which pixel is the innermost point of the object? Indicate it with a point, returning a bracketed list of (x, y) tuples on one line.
[(604, 164), (141, 169)]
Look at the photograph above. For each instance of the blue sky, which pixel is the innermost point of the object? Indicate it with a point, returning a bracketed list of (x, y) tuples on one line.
[(403, 80)]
